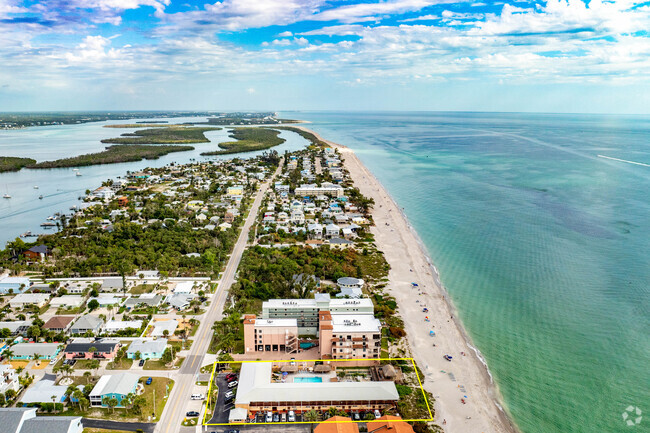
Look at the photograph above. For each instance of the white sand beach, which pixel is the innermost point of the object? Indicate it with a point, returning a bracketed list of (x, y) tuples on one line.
[(449, 382)]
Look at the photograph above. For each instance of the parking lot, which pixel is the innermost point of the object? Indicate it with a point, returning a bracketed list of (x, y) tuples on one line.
[(222, 408)]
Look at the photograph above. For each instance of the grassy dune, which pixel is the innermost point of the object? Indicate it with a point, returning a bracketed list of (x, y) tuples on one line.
[(249, 140)]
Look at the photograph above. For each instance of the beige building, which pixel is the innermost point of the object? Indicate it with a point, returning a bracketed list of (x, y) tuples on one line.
[(270, 335), (258, 392), (353, 336)]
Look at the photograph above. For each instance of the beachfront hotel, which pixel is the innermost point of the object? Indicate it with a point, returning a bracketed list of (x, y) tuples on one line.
[(305, 311), (313, 190), (262, 390), (341, 336)]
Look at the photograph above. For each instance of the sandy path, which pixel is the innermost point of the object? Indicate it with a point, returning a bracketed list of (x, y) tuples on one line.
[(447, 381)]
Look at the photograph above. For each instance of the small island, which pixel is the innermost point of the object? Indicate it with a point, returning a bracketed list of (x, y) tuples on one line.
[(248, 140), (112, 155), (171, 134), (11, 163)]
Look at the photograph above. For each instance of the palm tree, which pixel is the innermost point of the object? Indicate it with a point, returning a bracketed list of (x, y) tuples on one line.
[(311, 416), (87, 375)]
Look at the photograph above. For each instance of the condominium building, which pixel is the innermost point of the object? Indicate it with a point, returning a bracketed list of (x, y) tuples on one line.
[(270, 335), (313, 190), (305, 311), (343, 336)]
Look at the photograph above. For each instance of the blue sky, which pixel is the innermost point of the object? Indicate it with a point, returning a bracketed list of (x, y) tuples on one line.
[(553, 56)]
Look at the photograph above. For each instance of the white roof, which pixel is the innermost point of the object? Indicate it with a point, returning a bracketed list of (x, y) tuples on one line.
[(30, 298), (14, 280), (276, 322), (30, 349), (289, 303), (147, 346), (159, 327), (115, 325), (42, 392), (183, 287), (355, 323), (121, 383), (72, 300), (255, 386), (237, 414)]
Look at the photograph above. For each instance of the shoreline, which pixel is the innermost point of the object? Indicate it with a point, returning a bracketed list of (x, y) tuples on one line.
[(484, 410)]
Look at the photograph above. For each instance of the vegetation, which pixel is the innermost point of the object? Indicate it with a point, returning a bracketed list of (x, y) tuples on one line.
[(22, 120), (10, 163), (249, 140), (266, 273), (245, 119), (315, 141), (113, 155), (163, 134)]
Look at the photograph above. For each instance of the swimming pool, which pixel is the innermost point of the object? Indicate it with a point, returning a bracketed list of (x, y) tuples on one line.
[(310, 379)]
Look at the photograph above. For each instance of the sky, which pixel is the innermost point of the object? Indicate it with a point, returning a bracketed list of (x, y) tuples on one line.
[(476, 55)]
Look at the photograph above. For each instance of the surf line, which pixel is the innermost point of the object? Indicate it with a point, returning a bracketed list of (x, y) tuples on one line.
[(624, 160)]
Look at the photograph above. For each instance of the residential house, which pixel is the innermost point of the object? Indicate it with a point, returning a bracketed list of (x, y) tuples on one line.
[(111, 284), (26, 351), (8, 378), (147, 348), (146, 300), (298, 217), (37, 253), (160, 327), (115, 386), (184, 287), (67, 301), (180, 301), (24, 420), (16, 327), (59, 323), (331, 230), (337, 424), (44, 391), (86, 324), (113, 326), (99, 349), (23, 299), (316, 229)]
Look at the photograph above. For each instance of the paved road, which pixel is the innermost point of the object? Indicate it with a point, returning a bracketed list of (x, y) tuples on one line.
[(116, 425), (174, 412)]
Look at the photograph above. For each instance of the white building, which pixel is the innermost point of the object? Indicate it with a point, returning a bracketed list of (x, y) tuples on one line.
[(23, 299)]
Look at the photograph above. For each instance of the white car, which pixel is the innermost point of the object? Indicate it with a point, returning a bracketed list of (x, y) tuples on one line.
[(292, 416), (377, 414), (269, 417), (233, 384)]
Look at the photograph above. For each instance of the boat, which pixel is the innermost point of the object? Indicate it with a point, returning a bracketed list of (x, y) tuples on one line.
[(448, 358), (35, 186), (26, 234), (40, 197), (78, 174), (6, 196), (46, 225)]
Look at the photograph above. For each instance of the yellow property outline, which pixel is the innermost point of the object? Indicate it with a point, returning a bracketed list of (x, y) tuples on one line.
[(214, 368)]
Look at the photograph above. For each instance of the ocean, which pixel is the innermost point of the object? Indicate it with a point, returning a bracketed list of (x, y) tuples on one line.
[(542, 245)]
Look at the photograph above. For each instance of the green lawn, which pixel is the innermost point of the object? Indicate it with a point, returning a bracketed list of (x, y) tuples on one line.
[(156, 364), (142, 288), (122, 364), (82, 364), (159, 384)]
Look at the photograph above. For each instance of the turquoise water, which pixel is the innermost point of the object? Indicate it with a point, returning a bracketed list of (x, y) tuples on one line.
[(300, 379), (542, 245)]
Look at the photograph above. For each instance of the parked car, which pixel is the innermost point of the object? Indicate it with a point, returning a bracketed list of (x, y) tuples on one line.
[(141, 363), (231, 379), (231, 376), (197, 397), (283, 417), (149, 380), (276, 417), (292, 416), (269, 417), (355, 416), (233, 384), (229, 394), (232, 431), (192, 413), (377, 414)]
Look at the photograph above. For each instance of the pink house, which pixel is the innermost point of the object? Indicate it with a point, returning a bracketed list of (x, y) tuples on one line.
[(92, 350)]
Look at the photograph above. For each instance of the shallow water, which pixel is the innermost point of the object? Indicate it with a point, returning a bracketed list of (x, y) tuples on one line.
[(542, 245)]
